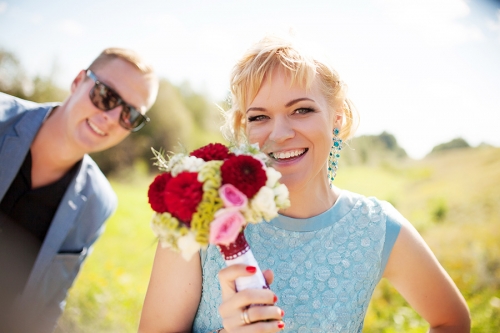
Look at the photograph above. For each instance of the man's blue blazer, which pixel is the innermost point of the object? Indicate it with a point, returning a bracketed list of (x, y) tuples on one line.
[(87, 203)]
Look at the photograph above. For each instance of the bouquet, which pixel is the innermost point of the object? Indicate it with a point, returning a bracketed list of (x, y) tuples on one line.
[(208, 197)]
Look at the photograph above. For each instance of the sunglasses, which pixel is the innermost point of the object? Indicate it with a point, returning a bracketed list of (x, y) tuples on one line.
[(106, 99)]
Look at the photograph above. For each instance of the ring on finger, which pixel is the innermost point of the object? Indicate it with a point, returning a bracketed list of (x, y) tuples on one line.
[(244, 317)]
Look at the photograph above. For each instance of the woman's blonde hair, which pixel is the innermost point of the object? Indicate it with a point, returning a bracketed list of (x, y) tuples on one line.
[(272, 53)]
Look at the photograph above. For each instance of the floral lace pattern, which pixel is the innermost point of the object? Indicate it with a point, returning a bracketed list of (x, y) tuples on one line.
[(324, 278)]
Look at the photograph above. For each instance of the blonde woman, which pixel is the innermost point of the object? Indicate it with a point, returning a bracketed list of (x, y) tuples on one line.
[(325, 253)]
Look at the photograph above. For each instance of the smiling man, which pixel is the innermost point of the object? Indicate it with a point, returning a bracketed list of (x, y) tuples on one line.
[(54, 199)]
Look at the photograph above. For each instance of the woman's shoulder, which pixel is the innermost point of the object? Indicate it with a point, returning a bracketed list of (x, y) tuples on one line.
[(373, 205), (376, 210)]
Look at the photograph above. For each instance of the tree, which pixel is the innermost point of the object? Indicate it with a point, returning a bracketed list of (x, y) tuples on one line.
[(179, 120), (13, 80), (179, 117), (372, 149), (456, 143)]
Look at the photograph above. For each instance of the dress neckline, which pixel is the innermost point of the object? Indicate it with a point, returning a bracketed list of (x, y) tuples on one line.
[(343, 205)]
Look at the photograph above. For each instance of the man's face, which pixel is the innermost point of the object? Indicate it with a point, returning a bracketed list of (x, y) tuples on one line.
[(91, 129)]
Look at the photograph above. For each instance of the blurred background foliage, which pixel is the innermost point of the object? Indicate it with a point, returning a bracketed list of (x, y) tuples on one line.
[(452, 196), (181, 118)]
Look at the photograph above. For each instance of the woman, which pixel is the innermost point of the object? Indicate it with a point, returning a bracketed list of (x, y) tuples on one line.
[(328, 250)]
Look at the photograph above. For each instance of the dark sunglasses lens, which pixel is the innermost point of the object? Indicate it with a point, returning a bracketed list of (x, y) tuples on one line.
[(131, 118), (103, 97)]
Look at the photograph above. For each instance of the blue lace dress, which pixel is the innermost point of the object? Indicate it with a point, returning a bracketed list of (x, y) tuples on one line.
[(326, 267)]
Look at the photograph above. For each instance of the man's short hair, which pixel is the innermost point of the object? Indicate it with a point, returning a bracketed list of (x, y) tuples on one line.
[(130, 56)]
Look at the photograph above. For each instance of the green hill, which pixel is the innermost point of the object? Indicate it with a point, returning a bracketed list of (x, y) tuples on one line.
[(457, 143), (372, 150)]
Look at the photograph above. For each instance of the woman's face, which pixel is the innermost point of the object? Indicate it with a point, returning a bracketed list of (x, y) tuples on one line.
[(293, 125)]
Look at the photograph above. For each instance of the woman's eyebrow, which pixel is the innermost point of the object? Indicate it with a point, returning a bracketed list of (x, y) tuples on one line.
[(298, 100), (292, 102), (255, 109)]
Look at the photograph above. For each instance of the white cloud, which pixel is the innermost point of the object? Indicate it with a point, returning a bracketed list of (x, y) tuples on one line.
[(434, 22), (71, 27), (3, 7), (36, 19), (495, 25)]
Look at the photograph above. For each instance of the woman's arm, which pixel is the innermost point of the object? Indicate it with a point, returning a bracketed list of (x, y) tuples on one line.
[(173, 294), (415, 272)]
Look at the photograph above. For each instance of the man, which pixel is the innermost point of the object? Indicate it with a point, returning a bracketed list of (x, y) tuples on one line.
[(53, 197)]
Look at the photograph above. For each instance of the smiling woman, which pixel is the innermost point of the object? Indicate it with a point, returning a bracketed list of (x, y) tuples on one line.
[(329, 249), (294, 126)]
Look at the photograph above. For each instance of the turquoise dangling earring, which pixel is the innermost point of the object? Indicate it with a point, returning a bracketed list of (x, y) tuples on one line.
[(333, 159)]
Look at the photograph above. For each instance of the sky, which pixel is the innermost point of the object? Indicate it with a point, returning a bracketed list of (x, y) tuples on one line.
[(426, 71)]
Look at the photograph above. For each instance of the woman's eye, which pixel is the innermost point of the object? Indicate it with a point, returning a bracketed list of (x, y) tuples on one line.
[(303, 110), (256, 118)]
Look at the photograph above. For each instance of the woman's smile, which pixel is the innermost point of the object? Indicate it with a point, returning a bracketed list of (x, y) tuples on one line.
[(288, 155)]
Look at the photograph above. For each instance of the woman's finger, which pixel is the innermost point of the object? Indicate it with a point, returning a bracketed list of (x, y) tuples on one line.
[(269, 276), (228, 276), (248, 318), (245, 298), (263, 327), (263, 313)]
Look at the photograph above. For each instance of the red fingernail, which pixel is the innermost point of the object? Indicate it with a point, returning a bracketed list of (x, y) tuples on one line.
[(281, 325), (282, 313), (251, 269), (275, 299)]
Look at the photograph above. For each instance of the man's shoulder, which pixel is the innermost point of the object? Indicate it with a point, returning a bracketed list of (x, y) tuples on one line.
[(11, 106)]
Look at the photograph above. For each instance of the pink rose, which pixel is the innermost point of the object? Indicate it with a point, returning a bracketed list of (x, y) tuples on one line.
[(226, 227), (232, 197)]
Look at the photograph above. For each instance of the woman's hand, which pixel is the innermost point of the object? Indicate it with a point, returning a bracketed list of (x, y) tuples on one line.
[(236, 311)]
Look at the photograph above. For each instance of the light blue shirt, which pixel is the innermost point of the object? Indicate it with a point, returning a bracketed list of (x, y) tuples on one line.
[(326, 267)]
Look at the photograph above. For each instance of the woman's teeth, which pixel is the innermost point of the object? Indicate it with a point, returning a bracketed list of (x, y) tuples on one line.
[(287, 154)]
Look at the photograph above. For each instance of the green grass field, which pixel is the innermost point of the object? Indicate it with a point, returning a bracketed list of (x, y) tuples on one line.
[(452, 198)]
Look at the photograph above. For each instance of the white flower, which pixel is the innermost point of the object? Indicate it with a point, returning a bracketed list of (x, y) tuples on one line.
[(263, 204), (188, 245), (252, 150), (186, 163), (159, 225), (173, 160), (281, 196), (251, 216), (272, 177)]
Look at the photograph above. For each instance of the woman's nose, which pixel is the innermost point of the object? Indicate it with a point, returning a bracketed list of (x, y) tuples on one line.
[(282, 130)]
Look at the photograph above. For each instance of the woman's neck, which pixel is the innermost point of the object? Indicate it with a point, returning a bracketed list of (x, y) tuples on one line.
[(311, 200)]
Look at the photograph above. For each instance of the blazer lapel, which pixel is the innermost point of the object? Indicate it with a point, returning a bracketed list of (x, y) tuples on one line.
[(66, 216), (17, 143)]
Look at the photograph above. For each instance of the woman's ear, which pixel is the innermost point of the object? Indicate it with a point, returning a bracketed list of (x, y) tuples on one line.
[(78, 80), (338, 119)]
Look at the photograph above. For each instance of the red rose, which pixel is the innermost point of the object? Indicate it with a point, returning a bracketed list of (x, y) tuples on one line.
[(245, 173), (212, 152), (156, 192), (183, 194)]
